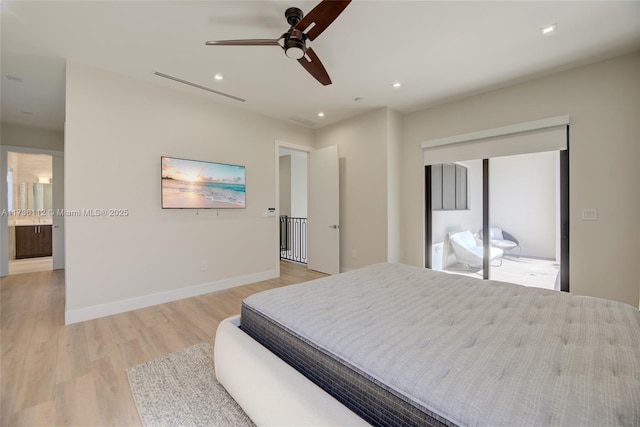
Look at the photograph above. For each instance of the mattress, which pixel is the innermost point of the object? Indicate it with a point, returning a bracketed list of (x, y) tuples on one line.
[(402, 345)]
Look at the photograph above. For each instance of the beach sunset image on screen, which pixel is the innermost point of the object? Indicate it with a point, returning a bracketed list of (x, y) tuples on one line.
[(193, 184)]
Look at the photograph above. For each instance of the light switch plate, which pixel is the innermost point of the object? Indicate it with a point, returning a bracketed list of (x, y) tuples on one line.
[(589, 214)]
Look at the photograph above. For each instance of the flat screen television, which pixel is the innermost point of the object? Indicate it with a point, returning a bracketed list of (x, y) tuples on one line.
[(194, 184)]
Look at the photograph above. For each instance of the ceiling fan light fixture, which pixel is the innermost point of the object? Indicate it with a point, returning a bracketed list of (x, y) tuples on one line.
[(294, 48), (295, 52), (303, 28)]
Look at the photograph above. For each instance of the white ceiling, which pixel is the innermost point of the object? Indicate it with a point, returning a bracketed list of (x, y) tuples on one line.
[(440, 51)]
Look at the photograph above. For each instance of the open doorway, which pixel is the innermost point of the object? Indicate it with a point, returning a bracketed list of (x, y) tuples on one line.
[(524, 193), (293, 166), (32, 221), (323, 207), (30, 208)]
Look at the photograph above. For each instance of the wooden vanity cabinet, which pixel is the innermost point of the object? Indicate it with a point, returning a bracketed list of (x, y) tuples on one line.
[(33, 241)]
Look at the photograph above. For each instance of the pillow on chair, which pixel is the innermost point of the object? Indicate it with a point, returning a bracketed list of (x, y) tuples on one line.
[(464, 238), (469, 252), (495, 233)]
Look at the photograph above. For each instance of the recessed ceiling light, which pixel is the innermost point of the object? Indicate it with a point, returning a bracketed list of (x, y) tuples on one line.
[(218, 77), (397, 84), (320, 114), (549, 29)]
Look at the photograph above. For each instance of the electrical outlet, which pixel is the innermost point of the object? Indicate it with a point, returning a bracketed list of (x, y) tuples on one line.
[(204, 266), (589, 214)]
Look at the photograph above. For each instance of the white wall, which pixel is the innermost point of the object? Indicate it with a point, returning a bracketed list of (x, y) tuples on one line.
[(20, 136), (293, 185), (299, 175), (603, 100), (362, 148), (522, 201), (394, 188), (285, 185), (117, 128)]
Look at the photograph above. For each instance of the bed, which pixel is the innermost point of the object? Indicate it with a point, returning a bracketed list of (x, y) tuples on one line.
[(396, 345)]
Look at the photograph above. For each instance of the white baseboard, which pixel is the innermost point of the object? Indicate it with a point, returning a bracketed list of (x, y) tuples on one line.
[(121, 306)]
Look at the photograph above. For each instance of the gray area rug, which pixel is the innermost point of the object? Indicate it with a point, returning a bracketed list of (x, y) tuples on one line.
[(180, 389)]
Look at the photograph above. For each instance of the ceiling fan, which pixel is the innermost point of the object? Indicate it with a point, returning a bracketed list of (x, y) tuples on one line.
[(294, 44)]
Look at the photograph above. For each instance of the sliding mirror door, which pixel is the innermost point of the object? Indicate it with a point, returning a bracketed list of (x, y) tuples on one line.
[(456, 217), (522, 200), (524, 218)]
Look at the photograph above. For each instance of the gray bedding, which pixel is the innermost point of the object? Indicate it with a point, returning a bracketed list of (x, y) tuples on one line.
[(471, 352)]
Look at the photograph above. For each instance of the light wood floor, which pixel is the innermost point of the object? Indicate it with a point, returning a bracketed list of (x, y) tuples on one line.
[(30, 265), (53, 374)]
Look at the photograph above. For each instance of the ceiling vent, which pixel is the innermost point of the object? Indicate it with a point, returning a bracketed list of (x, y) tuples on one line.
[(188, 83), (302, 121)]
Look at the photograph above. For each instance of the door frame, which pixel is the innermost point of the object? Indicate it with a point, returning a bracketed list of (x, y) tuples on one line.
[(4, 219), (281, 144)]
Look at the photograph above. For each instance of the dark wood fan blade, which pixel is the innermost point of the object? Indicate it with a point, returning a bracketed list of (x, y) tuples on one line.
[(322, 15), (248, 42), (315, 67)]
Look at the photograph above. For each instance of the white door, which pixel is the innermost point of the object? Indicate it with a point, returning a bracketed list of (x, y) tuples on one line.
[(58, 206), (323, 252)]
